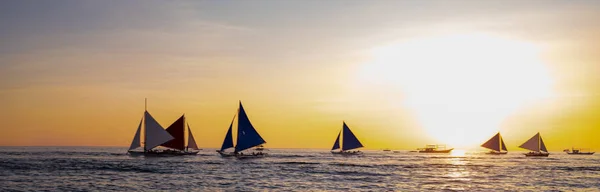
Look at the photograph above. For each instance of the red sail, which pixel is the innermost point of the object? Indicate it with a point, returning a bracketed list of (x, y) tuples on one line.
[(177, 130)]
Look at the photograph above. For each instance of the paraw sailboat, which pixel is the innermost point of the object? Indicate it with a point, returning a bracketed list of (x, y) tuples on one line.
[(150, 135), (247, 138), (537, 147), (496, 145), (349, 142)]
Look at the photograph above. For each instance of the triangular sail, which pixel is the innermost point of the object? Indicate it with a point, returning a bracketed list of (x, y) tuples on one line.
[(532, 144), (247, 136), (228, 142), (493, 143), (336, 145), (542, 145), (191, 141), (503, 145), (177, 130), (349, 140), (136, 139), (155, 133)]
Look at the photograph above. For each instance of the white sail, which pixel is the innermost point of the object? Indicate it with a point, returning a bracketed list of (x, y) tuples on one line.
[(533, 143), (191, 140), (136, 139), (155, 133)]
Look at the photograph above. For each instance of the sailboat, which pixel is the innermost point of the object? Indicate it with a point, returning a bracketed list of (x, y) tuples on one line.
[(177, 146), (496, 145), (536, 145), (349, 142), (154, 136), (247, 138)]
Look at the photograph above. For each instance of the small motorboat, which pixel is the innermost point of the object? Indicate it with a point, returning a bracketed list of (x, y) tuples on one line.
[(435, 149), (578, 151)]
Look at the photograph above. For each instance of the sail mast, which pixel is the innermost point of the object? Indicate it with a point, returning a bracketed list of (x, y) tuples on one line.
[(247, 136), (499, 142), (539, 143), (145, 110)]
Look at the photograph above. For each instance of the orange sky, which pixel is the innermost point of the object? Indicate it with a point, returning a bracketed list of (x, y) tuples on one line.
[(401, 74)]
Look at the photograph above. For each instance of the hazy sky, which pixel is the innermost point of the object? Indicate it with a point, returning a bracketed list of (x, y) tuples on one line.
[(77, 72)]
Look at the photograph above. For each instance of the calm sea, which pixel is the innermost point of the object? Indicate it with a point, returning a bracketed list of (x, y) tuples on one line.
[(106, 169)]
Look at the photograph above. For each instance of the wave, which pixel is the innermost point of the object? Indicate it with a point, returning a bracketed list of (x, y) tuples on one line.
[(79, 165), (579, 168), (350, 165), (297, 163), (291, 156)]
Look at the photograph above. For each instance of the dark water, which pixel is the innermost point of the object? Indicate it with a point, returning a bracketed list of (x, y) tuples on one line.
[(104, 169)]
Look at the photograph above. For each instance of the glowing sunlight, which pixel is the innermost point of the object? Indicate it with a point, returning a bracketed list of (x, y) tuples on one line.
[(460, 87)]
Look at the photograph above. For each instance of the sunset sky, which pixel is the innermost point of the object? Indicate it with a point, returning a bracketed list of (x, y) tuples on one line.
[(402, 74)]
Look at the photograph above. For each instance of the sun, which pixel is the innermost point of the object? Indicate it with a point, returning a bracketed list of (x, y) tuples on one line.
[(461, 87)]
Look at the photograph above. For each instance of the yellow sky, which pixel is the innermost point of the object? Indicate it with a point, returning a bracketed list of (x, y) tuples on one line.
[(401, 74)]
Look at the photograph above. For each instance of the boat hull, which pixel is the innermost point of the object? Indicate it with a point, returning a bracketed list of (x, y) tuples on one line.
[(346, 153), (436, 151), (162, 153), (536, 154), (581, 153), (497, 153), (242, 155), (250, 156), (226, 154)]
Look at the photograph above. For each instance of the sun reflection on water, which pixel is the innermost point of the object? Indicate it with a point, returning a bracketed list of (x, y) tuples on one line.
[(458, 153)]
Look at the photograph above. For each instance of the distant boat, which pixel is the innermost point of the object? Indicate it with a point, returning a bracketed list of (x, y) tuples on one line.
[(496, 145), (536, 145), (349, 142), (247, 137), (435, 149), (387, 150), (578, 151)]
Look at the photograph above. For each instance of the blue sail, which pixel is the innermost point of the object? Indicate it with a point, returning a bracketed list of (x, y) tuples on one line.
[(228, 142), (336, 145), (349, 141), (247, 136)]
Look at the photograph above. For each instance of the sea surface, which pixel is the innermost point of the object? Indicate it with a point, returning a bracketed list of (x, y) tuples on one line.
[(108, 169)]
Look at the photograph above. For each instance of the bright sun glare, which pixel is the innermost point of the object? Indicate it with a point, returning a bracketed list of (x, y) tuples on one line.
[(461, 87)]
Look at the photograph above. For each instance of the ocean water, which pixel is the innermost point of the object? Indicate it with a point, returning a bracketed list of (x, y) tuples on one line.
[(108, 169)]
